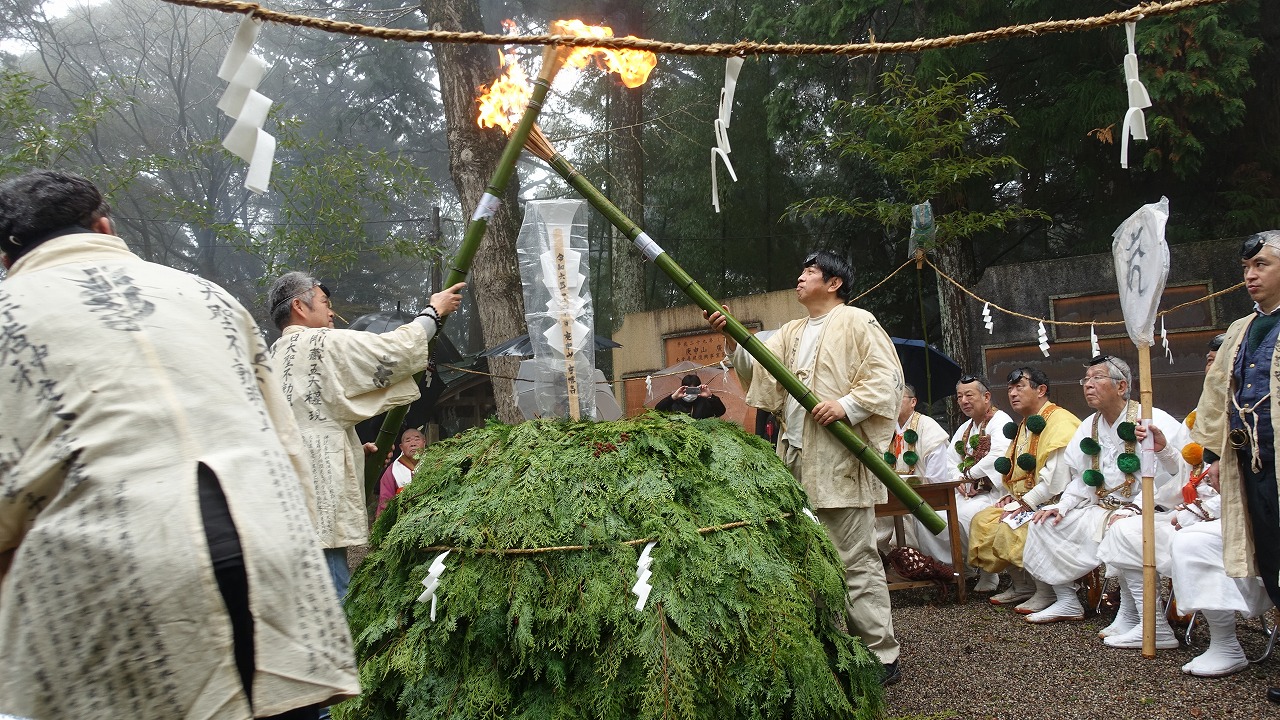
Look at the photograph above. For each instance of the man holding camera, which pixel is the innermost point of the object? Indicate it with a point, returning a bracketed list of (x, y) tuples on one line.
[(692, 398)]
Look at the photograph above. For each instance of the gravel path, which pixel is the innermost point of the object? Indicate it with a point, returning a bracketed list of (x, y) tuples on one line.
[(979, 661)]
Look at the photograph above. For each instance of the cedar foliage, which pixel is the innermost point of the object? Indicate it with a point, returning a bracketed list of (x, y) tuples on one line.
[(736, 625)]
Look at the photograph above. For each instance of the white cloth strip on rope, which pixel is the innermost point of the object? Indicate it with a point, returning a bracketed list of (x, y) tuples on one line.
[(1094, 348), (1164, 340), (642, 586), (721, 126), (432, 582), (243, 71), (1043, 338), (1135, 122), (986, 318)]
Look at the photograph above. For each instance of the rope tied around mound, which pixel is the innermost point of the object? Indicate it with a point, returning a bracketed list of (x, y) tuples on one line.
[(737, 49), (570, 548)]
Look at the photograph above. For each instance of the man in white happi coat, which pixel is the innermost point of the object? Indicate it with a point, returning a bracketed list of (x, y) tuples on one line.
[(971, 459), (1105, 486), (158, 559), (848, 360), (918, 453), (334, 379)]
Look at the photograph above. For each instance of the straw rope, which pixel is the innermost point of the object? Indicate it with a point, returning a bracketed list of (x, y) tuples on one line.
[(1148, 9), (567, 548)]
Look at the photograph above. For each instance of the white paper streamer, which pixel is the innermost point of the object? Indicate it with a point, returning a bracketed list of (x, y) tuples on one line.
[(648, 385), (241, 101), (1093, 342), (432, 581), (1043, 337), (812, 517), (1164, 340), (724, 370), (986, 317), (721, 126), (1135, 123), (642, 586)]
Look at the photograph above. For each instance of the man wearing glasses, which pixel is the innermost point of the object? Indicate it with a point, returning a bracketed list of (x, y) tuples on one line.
[(971, 459), (334, 379), (1033, 474), (1105, 496), (1235, 423)]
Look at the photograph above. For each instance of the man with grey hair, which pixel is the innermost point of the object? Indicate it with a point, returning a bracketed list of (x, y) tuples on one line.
[(1105, 486), (1235, 422), (334, 379)]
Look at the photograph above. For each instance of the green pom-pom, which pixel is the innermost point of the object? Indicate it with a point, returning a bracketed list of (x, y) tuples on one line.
[(1011, 430), (1027, 462), (1092, 478), (974, 440), (1128, 463), (910, 458), (1003, 465), (911, 437), (1036, 424), (1127, 432), (1089, 446), (959, 446), (891, 459)]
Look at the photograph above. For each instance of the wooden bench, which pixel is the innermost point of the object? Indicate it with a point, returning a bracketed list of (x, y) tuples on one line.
[(942, 498)]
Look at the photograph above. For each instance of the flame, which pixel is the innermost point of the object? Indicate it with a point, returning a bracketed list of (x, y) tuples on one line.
[(633, 66), (502, 103)]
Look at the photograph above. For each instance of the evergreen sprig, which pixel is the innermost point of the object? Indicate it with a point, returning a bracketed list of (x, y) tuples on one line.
[(738, 624)]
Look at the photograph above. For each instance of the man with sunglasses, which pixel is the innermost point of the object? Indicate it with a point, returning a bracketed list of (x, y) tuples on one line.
[(971, 459), (334, 379), (1104, 497), (1235, 423), (1033, 474), (843, 354)]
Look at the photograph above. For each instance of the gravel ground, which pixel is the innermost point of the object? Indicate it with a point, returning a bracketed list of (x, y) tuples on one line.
[(977, 660)]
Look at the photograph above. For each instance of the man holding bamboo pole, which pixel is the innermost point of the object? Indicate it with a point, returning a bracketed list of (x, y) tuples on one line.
[(334, 379), (844, 354), (1235, 423)]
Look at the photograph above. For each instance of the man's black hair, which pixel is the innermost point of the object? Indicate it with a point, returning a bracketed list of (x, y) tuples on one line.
[(37, 205), (833, 265)]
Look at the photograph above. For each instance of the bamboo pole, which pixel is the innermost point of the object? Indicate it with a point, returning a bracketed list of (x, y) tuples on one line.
[(553, 58), (868, 456), (1149, 586)]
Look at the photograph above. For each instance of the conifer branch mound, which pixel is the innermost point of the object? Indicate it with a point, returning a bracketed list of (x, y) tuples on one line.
[(740, 622)]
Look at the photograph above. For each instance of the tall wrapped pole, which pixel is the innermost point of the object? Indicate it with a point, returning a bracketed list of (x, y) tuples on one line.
[(1142, 266), (843, 431), (553, 58)]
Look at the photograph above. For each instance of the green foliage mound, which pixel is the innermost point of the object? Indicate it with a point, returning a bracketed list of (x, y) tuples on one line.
[(737, 625)]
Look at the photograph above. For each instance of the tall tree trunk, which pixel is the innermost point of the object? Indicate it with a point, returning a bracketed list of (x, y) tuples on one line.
[(955, 258), (473, 155), (627, 121)]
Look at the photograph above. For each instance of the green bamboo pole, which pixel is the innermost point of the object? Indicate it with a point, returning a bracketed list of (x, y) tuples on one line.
[(736, 330), (553, 58)]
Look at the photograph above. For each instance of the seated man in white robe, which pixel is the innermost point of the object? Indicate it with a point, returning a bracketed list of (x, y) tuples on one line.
[(1105, 485), (919, 454), (1188, 548), (971, 458)]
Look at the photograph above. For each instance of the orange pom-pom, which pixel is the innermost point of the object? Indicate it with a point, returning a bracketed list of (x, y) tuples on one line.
[(1190, 422), (1193, 453)]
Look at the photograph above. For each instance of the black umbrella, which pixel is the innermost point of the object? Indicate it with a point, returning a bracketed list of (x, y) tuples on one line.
[(934, 381), (522, 346)]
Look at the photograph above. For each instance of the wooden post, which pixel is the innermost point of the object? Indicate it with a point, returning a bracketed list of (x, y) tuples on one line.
[(1150, 588)]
